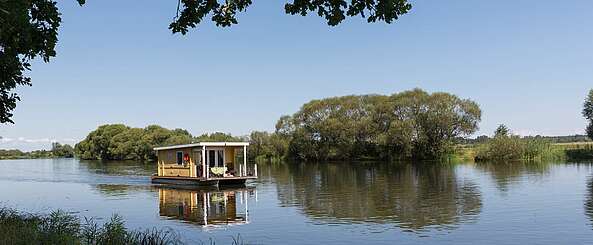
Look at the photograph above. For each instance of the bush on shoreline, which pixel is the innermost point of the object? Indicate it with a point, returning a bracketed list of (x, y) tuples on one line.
[(505, 146)]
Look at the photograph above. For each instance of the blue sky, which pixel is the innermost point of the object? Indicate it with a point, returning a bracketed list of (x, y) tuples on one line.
[(529, 64)]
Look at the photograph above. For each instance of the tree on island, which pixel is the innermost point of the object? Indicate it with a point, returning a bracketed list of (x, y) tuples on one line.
[(29, 29), (411, 124), (588, 113)]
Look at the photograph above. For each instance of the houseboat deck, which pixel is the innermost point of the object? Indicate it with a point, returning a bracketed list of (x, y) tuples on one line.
[(198, 181)]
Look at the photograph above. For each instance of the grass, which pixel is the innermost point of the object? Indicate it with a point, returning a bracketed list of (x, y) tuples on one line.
[(574, 151), (62, 228)]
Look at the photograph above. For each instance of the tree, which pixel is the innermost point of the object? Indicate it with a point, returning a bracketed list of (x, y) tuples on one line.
[(588, 113), (267, 146), (120, 142), (411, 124), (29, 28), (59, 150), (217, 137), (501, 131)]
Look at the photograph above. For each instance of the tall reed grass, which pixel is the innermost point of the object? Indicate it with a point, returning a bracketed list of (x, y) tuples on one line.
[(62, 228)]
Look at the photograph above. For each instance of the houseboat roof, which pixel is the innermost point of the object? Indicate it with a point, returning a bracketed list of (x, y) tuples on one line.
[(201, 144)]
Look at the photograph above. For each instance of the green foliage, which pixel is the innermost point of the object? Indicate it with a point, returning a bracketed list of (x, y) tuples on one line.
[(588, 113), (218, 137), (411, 124), (507, 147), (552, 139), (120, 142), (63, 228), (29, 28), (264, 146), (64, 151), (190, 13), (501, 131)]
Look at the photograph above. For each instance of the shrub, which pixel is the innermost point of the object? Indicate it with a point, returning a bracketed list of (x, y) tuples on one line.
[(505, 146)]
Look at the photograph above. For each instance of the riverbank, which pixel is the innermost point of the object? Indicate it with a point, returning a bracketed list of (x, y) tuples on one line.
[(572, 152)]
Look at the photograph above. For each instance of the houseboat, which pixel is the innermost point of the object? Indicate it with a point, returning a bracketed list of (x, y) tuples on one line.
[(204, 164)]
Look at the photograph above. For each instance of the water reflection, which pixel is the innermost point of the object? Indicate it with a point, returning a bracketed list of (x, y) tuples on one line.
[(589, 200), (120, 190), (118, 168), (206, 207), (506, 175), (414, 197)]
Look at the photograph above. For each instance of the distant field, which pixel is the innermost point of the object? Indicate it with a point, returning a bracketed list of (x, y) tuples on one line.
[(568, 150), (575, 143)]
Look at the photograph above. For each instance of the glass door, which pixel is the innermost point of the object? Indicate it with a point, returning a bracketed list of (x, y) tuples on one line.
[(215, 158)]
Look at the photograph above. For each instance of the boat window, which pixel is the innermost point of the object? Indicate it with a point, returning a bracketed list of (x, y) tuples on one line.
[(179, 157)]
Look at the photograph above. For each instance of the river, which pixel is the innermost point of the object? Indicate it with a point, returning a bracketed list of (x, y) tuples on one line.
[(325, 203)]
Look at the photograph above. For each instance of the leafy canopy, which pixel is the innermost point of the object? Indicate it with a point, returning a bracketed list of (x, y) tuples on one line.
[(224, 13), (410, 124)]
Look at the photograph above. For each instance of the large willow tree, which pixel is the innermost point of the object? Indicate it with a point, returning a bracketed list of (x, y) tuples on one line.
[(411, 124), (29, 29)]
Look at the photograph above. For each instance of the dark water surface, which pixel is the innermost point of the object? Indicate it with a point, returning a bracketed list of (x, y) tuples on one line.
[(332, 203)]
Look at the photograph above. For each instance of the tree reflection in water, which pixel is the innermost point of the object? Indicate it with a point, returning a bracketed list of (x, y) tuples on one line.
[(414, 197), (506, 174)]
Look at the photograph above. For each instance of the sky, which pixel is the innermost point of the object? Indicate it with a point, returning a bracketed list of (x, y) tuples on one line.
[(528, 64)]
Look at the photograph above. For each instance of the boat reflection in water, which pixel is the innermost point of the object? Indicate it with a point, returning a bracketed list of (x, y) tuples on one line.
[(206, 207)]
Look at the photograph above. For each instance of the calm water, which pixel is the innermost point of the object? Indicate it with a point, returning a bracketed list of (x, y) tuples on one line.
[(333, 203)]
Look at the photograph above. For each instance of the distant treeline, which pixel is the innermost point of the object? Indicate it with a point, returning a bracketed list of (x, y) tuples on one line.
[(57, 151), (409, 125), (121, 142), (551, 139)]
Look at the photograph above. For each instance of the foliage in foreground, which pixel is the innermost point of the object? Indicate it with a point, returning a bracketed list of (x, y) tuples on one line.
[(62, 228), (505, 146)]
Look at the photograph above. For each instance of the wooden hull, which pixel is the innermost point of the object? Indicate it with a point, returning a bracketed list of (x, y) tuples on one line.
[(190, 181)]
